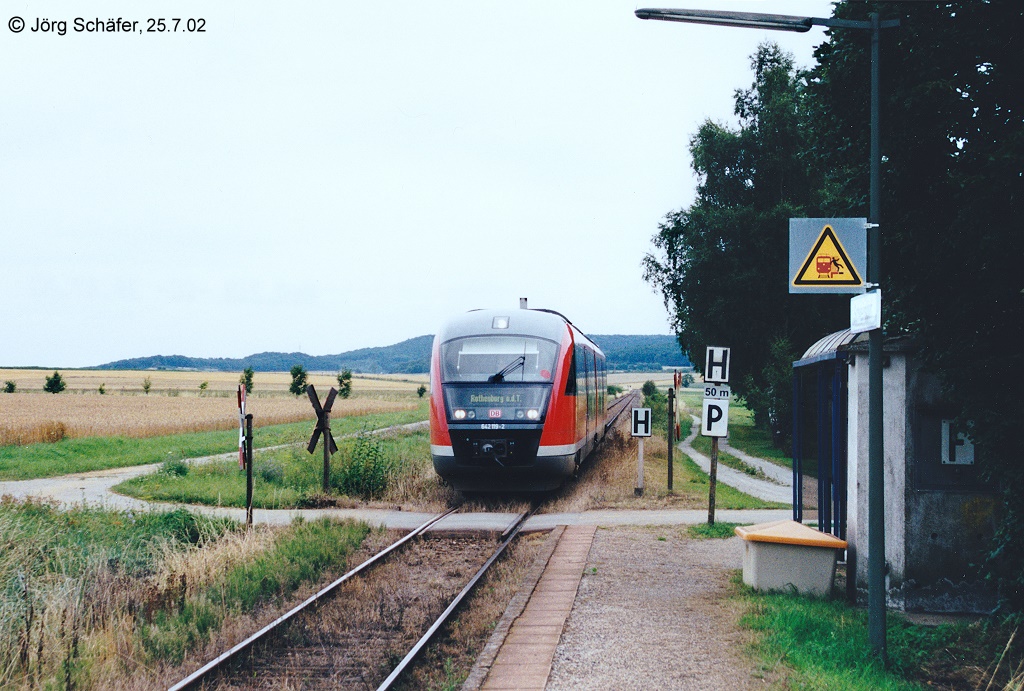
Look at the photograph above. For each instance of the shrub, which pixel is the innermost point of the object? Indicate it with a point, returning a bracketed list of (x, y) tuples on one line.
[(203, 385), (422, 390), (175, 466), (366, 471), (55, 383), (299, 376), (147, 384), (103, 388), (649, 388), (687, 380), (271, 471), (9, 386), (614, 390)]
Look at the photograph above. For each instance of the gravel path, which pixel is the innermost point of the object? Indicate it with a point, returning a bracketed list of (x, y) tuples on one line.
[(781, 491), (650, 614)]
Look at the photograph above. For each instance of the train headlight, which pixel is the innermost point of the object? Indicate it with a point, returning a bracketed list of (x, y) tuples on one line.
[(460, 414), (533, 414)]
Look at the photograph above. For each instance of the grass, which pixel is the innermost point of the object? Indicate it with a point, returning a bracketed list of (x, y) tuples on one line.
[(367, 467), (822, 644), (60, 571), (718, 531), (100, 453), (300, 554), (91, 598), (754, 441)]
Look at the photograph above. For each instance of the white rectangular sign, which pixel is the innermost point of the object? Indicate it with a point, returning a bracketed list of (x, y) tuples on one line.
[(642, 422), (866, 312), (715, 418), (719, 391), (716, 365)]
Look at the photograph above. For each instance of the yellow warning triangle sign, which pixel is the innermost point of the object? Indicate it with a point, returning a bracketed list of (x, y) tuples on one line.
[(827, 264)]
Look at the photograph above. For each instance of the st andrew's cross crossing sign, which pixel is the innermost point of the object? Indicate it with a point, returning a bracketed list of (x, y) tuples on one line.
[(323, 419)]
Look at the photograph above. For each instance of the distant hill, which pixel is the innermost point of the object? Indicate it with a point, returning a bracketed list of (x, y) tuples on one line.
[(411, 356)]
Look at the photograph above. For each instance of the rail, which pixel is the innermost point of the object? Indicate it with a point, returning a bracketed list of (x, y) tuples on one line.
[(223, 658), (511, 534)]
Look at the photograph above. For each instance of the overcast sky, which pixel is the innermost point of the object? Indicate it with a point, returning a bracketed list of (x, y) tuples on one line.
[(324, 176)]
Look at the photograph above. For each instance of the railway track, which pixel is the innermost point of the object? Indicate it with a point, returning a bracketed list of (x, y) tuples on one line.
[(353, 633), (618, 407), (355, 640)]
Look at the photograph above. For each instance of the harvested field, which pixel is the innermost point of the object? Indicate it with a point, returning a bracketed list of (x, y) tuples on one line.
[(27, 418)]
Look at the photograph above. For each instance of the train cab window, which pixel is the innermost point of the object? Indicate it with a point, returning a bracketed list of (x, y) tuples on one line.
[(496, 359)]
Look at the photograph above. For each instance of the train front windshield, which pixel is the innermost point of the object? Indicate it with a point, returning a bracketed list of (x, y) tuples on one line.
[(497, 378)]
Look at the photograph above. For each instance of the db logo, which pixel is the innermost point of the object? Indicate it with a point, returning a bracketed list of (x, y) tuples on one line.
[(494, 412)]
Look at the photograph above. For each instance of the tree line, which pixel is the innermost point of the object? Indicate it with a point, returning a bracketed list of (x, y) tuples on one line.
[(952, 134)]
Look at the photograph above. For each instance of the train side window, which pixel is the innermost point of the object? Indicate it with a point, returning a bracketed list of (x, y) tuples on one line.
[(570, 381)]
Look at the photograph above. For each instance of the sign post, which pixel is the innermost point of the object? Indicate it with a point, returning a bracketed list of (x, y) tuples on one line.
[(323, 426), (671, 428), (245, 451), (641, 428), (248, 470), (715, 413)]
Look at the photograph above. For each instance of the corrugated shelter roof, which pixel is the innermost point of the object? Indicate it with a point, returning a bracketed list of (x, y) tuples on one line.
[(829, 347)]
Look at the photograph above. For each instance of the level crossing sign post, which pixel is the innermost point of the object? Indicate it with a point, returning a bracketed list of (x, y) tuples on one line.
[(245, 451), (323, 426), (715, 412), (641, 428)]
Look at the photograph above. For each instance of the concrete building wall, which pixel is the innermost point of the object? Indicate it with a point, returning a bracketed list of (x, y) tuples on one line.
[(934, 532), (894, 417)]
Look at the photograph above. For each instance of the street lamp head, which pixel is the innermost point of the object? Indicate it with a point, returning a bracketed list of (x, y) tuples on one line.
[(751, 20)]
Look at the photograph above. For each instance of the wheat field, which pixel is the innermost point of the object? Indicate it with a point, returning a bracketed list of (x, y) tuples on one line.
[(175, 403)]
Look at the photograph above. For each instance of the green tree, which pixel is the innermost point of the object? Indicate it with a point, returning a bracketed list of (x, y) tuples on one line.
[(953, 191), (649, 388), (721, 264), (246, 379), (345, 383), (103, 388), (54, 383), (422, 390), (10, 385), (147, 384), (205, 384), (299, 377)]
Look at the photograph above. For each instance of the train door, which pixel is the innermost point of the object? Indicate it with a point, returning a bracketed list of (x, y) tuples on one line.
[(587, 367), (592, 395)]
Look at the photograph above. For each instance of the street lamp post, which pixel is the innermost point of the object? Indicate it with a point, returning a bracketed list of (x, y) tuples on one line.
[(876, 466)]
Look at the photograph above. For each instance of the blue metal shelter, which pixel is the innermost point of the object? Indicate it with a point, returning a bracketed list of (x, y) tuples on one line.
[(820, 379)]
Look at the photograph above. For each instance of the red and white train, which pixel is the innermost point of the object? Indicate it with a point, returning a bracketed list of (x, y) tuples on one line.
[(517, 400)]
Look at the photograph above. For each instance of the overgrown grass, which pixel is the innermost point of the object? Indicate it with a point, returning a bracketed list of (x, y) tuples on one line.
[(60, 571), (91, 598), (99, 453), (365, 467), (823, 644), (300, 554)]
